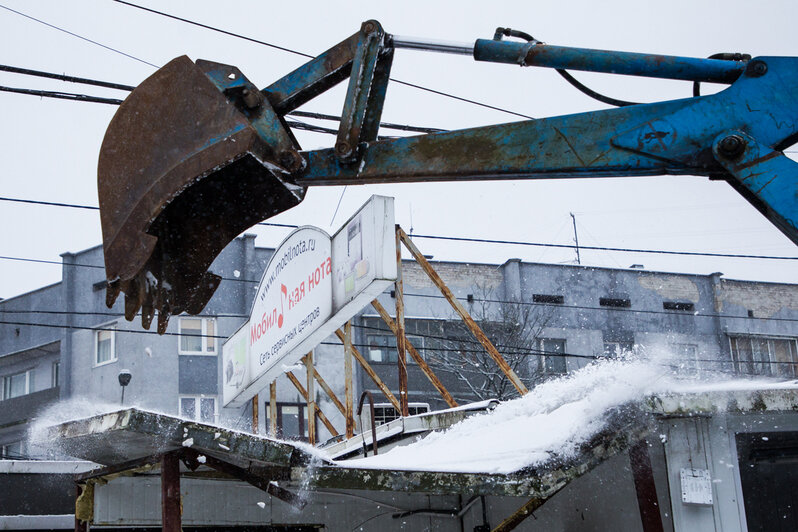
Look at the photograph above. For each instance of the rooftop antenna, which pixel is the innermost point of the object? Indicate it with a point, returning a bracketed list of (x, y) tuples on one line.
[(576, 239)]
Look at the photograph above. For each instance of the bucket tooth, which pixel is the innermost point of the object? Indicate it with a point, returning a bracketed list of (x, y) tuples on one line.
[(182, 172)]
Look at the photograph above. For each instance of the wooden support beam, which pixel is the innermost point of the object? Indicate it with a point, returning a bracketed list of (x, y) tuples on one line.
[(645, 487), (255, 414), (304, 393), (348, 389), (371, 373), (326, 387), (400, 328), (416, 356), (311, 401), (118, 468), (171, 507), (519, 515), (273, 409), (478, 333)]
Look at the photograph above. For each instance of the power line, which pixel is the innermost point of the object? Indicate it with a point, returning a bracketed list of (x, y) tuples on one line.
[(62, 95), (78, 36), (482, 240), (64, 77), (289, 50), (602, 248)]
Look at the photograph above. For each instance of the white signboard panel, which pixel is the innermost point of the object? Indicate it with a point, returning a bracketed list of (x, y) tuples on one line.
[(311, 287), (235, 364), (696, 486), (293, 299), (364, 251)]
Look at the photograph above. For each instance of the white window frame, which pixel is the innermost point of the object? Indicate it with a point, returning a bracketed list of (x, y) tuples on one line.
[(109, 327), (690, 362), (28, 386), (771, 365), (416, 341), (197, 403), (205, 339), (544, 356)]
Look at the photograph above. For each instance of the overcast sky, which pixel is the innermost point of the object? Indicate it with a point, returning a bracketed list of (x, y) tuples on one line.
[(50, 147)]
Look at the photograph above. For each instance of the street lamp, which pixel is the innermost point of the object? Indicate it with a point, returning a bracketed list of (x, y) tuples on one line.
[(124, 380)]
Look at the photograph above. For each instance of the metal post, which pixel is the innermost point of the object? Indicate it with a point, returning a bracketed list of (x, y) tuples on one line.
[(170, 493), (273, 409), (348, 392), (255, 414), (400, 327), (311, 402)]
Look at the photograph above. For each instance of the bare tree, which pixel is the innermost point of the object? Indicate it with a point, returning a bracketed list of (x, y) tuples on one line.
[(514, 328)]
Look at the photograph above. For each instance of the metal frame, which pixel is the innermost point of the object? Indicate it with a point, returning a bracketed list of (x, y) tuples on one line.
[(245, 143)]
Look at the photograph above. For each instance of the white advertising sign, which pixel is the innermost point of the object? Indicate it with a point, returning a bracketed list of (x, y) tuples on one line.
[(311, 287), (293, 299), (235, 364), (363, 251)]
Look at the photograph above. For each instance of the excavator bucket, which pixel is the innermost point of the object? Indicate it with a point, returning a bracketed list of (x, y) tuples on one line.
[(194, 156)]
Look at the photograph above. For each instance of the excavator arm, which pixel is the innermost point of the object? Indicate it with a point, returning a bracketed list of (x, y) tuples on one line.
[(197, 153)]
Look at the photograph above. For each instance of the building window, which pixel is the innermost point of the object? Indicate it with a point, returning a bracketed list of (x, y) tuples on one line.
[(553, 355), (292, 421), (686, 358), (615, 302), (18, 384), (385, 412), (197, 336), (104, 346), (548, 298), (382, 347), (56, 374), (678, 305), (616, 349), (13, 451), (759, 355), (198, 408)]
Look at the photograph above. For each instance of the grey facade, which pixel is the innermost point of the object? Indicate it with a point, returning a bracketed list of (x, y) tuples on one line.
[(700, 324)]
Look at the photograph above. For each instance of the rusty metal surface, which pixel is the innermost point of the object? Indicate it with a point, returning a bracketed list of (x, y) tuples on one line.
[(182, 171)]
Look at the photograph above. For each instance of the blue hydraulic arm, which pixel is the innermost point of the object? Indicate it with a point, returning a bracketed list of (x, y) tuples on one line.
[(198, 146)]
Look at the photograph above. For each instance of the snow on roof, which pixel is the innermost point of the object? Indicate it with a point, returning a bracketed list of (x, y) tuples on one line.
[(552, 421)]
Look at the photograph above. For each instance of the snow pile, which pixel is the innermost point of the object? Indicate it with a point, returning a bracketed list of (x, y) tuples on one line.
[(555, 417)]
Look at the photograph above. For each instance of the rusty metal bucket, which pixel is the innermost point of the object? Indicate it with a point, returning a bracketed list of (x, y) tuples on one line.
[(182, 171)]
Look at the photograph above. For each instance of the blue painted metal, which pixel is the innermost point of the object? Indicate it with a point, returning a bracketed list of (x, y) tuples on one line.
[(629, 63), (765, 176), (228, 160), (366, 92), (666, 138)]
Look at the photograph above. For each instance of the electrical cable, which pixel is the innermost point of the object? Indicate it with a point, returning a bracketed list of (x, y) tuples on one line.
[(604, 248), (53, 26), (114, 101), (270, 45), (62, 95), (64, 77), (338, 344), (485, 300), (485, 240)]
